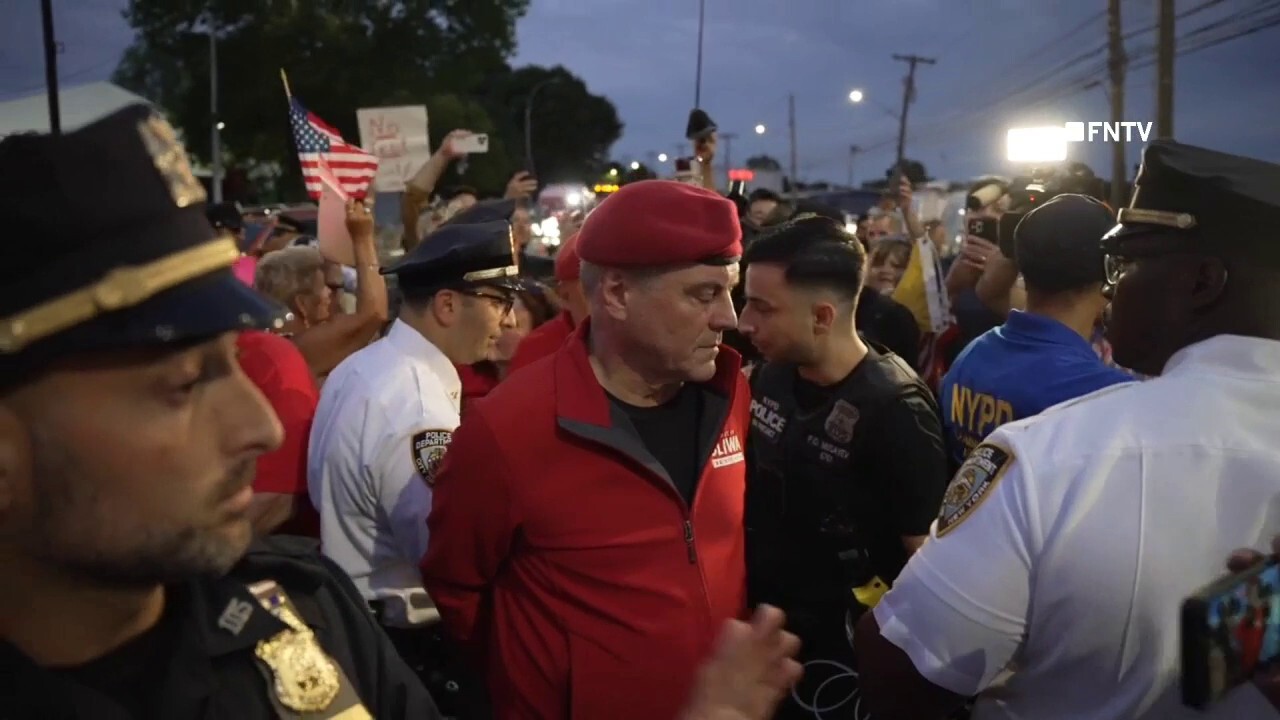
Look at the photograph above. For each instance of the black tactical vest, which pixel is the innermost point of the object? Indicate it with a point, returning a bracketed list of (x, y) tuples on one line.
[(812, 515)]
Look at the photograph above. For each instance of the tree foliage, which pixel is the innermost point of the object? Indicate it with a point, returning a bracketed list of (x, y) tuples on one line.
[(571, 129), (341, 55)]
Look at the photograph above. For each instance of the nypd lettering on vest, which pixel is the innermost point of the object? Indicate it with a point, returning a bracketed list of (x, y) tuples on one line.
[(766, 419)]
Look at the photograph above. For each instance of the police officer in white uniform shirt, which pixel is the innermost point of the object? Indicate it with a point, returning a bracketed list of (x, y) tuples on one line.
[(1052, 582), (387, 413)]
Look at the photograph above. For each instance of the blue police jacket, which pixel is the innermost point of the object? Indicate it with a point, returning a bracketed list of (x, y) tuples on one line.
[(1014, 371)]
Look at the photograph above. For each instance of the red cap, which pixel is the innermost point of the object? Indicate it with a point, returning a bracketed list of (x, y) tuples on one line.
[(568, 266), (661, 222)]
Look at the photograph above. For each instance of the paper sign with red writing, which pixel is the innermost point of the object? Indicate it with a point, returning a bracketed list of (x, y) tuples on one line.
[(331, 222), (398, 136)]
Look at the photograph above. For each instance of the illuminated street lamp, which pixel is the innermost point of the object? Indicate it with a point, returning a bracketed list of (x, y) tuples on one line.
[(662, 157), (760, 129), (635, 165), (855, 96)]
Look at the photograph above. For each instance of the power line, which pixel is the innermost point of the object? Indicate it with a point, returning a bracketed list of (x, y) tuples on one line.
[(1086, 80), (1192, 41)]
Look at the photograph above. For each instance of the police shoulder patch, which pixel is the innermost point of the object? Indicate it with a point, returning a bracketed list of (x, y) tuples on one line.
[(428, 449), (976, 479)]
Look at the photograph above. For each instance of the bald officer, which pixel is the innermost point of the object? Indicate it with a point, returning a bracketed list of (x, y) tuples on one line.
[(128, 436), (587, 536), (1067, 542), (387, 413)]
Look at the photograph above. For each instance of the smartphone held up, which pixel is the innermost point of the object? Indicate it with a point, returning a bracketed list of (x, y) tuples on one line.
[(1230, 633)]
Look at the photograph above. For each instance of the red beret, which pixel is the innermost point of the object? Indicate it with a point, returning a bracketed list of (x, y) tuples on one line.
[(568, 267), (661, 222)]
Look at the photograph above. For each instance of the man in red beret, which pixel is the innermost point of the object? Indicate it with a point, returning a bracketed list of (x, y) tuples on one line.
[(586, 528), (549, 336)]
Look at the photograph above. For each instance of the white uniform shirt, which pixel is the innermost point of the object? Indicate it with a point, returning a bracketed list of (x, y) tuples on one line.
[(385, 417), (1058, 592)]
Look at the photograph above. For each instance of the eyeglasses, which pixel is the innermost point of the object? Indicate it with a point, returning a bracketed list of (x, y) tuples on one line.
[(502, 302), (1115, 264)]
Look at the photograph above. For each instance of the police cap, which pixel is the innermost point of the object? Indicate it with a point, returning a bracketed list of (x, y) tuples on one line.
[(460, 254), (700, 125), (653, 223), (1057, 244), (108, 246), (485, 211), (1223, 201)]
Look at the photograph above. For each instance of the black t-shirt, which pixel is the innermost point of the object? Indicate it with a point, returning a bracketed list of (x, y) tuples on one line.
[(670, 433), (127, 675)]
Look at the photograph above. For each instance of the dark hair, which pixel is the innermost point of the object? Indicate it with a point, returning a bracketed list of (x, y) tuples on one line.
[(816, 252), (535, 300), (763, 194), (457, 190)]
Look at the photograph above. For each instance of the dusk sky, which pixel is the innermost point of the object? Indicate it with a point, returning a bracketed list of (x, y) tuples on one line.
[(641, 55)]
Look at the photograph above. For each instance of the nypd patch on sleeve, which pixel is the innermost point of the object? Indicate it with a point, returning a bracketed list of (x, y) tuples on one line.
[(972, 484), (429, 447)]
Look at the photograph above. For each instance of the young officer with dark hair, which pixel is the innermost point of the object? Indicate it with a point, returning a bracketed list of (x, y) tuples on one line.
[(847, 467), (1040, 357)]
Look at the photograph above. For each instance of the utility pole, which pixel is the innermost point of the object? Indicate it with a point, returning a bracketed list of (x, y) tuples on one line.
[(1116, 64), (853, 150), (908, 95), (791, 124), (1164, 71), (51, 67), (697, 87), (216, 154)]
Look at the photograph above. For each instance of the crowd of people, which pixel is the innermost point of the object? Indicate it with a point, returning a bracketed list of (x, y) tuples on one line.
[(719, 458)]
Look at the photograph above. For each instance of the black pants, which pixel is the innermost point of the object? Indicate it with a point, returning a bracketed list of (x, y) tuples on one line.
[(829, 688), (456, 690)]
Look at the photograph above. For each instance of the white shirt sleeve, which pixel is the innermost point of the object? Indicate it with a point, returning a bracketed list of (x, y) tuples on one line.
[(403, 493), (959, 609)]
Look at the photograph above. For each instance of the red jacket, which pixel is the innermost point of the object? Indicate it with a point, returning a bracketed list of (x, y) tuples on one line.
[(575, 575), (542, 341)]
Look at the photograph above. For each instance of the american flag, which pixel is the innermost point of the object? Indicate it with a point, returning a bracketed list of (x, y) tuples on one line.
[(320, 146)]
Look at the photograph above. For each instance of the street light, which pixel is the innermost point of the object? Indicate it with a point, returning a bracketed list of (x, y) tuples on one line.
[(635, 165), (222, 125), (662, 157), (855, 96), (760, 129)]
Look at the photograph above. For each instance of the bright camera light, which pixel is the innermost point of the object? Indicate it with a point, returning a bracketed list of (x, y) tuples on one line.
[(851, 228), (760, 129), (573, 199), (550, 227), (1037, 145)]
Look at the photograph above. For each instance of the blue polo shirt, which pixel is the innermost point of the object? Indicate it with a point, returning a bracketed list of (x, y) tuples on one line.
[(1014, 371)]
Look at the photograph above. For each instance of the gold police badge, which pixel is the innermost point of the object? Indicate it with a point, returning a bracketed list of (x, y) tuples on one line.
[(171, 161), (306, 679)]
